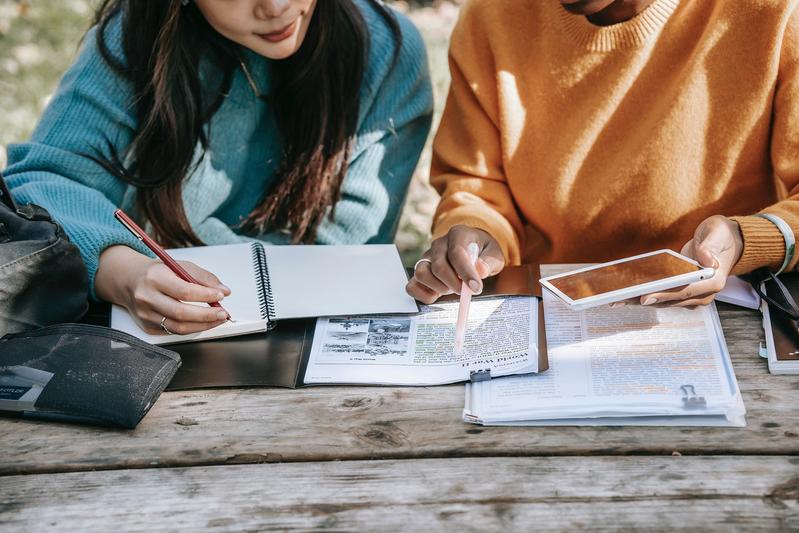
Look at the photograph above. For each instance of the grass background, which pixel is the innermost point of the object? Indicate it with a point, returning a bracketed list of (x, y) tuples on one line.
[(40, 38)]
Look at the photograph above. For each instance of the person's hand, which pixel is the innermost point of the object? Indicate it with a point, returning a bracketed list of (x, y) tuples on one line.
[(447, 263), (718, 244), (150, 291)]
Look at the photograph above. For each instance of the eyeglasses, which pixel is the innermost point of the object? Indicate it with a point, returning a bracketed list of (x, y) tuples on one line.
[(776, 294)]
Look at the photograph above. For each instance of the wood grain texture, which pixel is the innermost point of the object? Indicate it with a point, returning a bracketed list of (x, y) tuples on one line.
[(234, 426), (455, 494)]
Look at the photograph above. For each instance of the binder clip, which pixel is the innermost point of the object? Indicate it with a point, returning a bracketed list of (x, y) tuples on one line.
[(480, 375), (690, 400)]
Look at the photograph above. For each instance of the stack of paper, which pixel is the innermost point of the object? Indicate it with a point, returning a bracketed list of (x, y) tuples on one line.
[(630, 365)]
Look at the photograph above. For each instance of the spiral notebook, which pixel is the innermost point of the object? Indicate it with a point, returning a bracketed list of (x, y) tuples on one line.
[(269, 283)]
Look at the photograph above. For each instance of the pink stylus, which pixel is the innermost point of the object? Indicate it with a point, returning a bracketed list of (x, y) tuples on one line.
[(463, 306)]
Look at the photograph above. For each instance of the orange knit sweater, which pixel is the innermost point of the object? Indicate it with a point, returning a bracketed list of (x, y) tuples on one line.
[(570, 142)]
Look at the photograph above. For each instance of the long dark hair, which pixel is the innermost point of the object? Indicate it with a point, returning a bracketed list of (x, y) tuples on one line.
[(314, 98)]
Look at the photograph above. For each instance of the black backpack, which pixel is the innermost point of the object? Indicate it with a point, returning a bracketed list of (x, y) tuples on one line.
[(43, 279)]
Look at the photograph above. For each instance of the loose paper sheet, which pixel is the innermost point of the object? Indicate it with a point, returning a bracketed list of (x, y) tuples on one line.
[(739, 292), (418, 349)]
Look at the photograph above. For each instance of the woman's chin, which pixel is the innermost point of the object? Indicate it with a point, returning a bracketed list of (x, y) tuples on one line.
[(272, 50), (585, 7)]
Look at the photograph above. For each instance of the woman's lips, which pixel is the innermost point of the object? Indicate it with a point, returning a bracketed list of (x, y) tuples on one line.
[(280, 35)]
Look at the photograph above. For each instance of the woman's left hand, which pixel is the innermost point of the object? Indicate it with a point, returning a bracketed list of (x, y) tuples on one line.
[(718, 244)]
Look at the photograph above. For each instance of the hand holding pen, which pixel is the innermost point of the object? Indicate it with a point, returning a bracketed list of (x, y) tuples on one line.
[(446, 265), (155, 292)]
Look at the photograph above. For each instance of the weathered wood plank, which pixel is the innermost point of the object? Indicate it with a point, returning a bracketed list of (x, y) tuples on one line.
[(327, 423), (474, 494)]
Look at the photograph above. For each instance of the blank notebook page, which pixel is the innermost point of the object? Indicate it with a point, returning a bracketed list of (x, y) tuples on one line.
[(235, 267), (319, 280)]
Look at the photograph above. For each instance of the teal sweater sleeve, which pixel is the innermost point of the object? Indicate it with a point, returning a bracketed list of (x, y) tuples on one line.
[(90, 113)]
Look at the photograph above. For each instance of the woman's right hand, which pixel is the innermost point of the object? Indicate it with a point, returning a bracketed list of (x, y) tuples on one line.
[(447, 263), (150, 291)]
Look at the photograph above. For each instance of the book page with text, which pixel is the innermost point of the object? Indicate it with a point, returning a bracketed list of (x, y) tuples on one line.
[(418, 349)]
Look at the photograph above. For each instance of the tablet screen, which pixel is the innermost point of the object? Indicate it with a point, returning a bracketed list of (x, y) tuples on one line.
[(622, 275)]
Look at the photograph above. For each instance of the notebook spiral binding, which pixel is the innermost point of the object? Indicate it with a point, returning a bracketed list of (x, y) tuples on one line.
[(265, 298)]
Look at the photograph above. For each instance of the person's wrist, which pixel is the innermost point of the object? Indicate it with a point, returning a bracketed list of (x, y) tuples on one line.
[(738, 239), (115, 272), (788, 237), (763, 245)]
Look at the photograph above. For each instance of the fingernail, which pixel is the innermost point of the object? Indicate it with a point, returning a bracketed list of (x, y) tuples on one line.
[(219, 296), (650, 301), (221, 315), (474, 285), (224, 288)]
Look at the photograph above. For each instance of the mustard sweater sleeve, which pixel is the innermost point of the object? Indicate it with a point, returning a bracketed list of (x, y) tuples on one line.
[(763, 242), (467, 168)]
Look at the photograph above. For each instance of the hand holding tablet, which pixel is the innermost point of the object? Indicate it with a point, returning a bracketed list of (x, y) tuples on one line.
[(626, 278)]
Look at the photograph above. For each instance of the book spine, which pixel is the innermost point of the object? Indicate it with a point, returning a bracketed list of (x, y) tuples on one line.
[(265, 299)]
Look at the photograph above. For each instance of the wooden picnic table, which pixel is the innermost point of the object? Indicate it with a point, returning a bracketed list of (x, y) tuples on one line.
[(369, 458)]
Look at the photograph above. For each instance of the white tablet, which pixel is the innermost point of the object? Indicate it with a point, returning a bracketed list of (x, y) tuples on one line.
[(626, 278)]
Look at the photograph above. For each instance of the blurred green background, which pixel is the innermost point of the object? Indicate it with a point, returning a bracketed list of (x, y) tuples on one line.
[(39, 40)]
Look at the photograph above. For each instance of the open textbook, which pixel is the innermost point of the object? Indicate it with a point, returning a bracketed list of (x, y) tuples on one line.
[(504, 337), (418, 349), (631, 365)]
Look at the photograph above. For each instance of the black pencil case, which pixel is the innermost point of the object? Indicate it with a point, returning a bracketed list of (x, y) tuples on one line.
[(82, 373)]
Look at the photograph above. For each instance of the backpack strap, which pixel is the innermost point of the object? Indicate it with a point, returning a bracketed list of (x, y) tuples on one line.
[(5, 194)]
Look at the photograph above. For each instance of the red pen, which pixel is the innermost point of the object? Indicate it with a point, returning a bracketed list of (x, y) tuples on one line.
[(173, 265)]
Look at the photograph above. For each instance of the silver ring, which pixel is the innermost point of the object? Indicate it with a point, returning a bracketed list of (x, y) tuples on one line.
[(166, 329), (420, 261)]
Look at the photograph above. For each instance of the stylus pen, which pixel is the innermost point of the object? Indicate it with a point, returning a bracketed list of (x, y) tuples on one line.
[(173, 265), (463, 306)]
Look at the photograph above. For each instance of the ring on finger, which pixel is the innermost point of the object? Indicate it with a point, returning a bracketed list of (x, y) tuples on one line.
[(166, 329), (420, 261)]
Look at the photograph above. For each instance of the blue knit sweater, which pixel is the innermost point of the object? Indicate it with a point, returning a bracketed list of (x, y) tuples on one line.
[(93, 105)]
